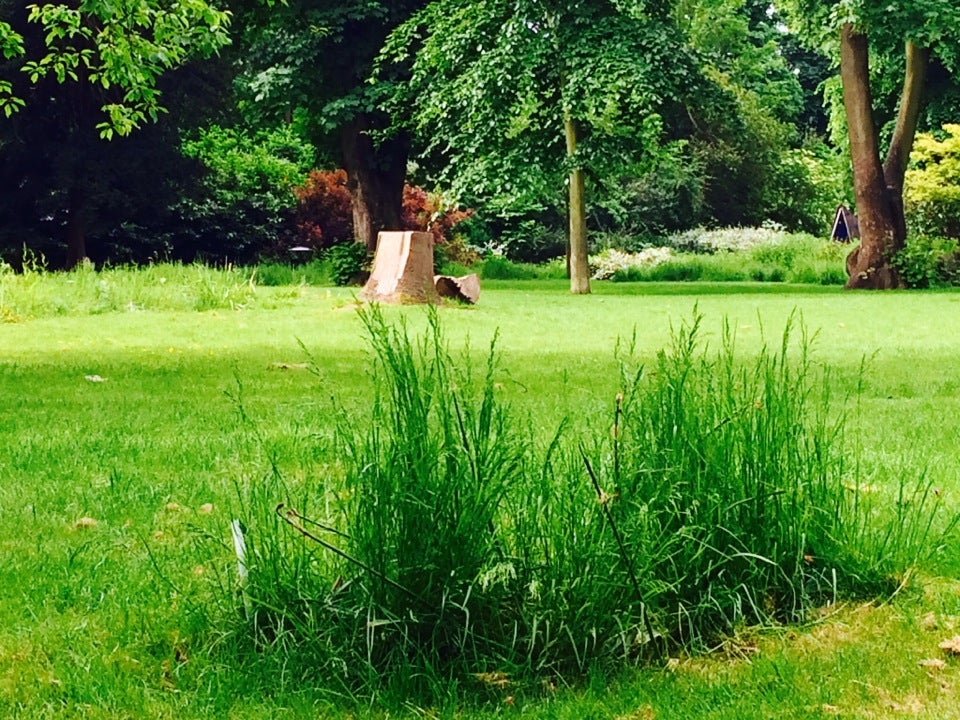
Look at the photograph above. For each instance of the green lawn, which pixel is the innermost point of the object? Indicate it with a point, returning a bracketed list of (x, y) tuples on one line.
[(132, 420)]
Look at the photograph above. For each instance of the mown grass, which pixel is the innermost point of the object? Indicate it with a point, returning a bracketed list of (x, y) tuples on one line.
[(109, 620)]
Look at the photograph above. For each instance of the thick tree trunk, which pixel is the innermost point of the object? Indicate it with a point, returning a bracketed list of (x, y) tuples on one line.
[(76, 235), (578, 264), (869, 265), (375, 177)]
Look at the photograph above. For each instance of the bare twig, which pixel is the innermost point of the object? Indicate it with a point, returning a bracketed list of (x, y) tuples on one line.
[(295, 520), (601, 496)]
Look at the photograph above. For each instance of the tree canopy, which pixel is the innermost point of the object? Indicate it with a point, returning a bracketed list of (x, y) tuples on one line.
[(510, 98), (119, 49), (310, 61)]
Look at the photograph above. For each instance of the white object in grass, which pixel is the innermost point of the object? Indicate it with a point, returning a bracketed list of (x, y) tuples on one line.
[(240, 547)]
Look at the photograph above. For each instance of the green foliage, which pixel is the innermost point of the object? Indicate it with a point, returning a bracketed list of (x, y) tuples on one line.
[(11, 46), (740, 40), (246, 202), (455, 251), (69, 452), (349, 263), (275, 274), (490, 83), (740, 254), (927, 23), (929, 261), (532, 242), (665, 199), (122, 49), (11, 42), (497, 267), (313, 57), (750, 173), (932, 186), (261, 168), (746, 129)]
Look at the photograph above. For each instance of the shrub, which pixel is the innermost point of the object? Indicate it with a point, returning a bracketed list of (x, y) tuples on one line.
[(324, 213), (611, 262), (264, 166), (533, 242), (667, 199), (932, 185), (927, 261), (476, 231), (247, 197), (272, 274), (496, 267), (457, 251), (729, 239), (427, 212), (830, 174), (739, 254), (268, 164), (349, 263)]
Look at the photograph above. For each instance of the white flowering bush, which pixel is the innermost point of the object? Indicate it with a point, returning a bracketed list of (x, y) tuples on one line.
[(735, 239), (608, 263), (764, 254)]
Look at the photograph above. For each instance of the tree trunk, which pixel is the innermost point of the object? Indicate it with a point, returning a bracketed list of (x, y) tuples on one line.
[(898, 157), (868, 265), (76, 231), (375, 177), (577, 261)]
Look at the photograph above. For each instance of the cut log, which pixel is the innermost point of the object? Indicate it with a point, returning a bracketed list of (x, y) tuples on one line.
[(402, 269), (465, 288)]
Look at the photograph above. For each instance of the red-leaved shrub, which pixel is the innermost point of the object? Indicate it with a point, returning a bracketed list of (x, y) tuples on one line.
[(425, 212), (324, 215)]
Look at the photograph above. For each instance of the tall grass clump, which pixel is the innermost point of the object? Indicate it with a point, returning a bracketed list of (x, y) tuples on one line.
[(727, 478), (273, 274), (389, 590), (442, 544), (35, 292), (496, 267)]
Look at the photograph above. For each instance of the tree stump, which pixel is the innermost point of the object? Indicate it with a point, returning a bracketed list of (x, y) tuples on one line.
[(402, 269), (465, 288)]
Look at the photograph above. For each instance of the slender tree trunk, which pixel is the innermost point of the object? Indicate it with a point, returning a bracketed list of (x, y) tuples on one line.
[(869, 265), (375, 177), (898, 157), (577, 261), (76, 235)]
